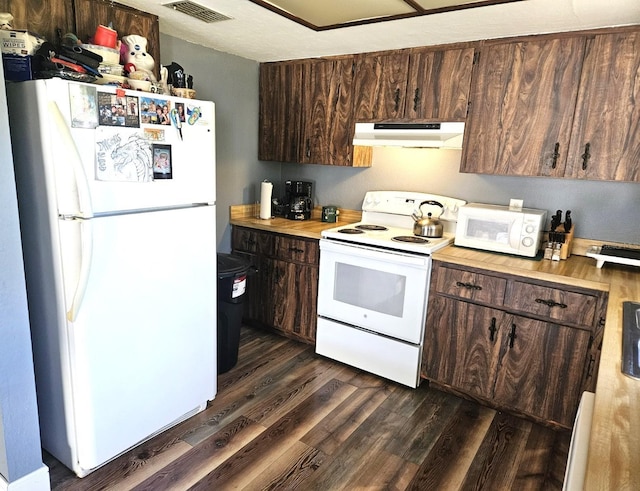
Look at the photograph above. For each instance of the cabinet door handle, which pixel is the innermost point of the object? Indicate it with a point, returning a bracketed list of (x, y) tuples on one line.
[(492, 329), (468, 286), (512, 335), (397, 100), (586, 156), (308, 148), (416, 100), (551, 303), (556, 154), (592, 362)]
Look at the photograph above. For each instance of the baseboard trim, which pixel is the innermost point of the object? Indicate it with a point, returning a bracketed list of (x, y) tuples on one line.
[(37, 480)]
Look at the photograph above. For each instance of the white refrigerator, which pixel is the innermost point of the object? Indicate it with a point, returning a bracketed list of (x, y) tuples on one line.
[(117, 213)]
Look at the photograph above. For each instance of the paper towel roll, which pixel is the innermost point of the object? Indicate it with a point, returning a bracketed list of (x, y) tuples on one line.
[(266, 188)]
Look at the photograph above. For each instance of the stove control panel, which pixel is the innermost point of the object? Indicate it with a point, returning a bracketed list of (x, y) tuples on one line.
[(406, 203)]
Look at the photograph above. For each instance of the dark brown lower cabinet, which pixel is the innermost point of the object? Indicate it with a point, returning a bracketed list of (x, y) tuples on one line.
[(282, 294), (291, 290), (537, 367)]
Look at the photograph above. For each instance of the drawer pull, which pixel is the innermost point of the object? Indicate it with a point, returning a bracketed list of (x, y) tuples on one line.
[(469, 286), (296, 249), (492, 329), (551, 303)]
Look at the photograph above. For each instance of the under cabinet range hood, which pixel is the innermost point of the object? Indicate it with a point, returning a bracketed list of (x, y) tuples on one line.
[(429, 135)]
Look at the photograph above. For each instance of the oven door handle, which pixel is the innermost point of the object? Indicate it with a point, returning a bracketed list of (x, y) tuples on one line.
[(376, 253)]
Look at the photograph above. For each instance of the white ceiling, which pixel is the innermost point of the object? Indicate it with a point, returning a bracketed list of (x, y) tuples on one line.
[(259, 34)]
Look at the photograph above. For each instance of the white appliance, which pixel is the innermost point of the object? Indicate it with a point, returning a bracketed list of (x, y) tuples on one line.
[(374, 283), (422, 135), (501, 228), (117, 215), (576, 469)]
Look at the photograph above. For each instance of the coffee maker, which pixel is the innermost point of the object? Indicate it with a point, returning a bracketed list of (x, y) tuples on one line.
[(298, 200)]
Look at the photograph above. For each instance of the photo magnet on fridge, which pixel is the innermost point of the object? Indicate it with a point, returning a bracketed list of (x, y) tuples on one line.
[(115, 110), (161, 161), (155, 111), (84, 106)]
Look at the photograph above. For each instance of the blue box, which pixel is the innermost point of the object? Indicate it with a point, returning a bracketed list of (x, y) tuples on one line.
[(17, 68)]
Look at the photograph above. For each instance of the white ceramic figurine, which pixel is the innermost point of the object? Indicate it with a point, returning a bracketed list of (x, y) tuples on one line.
[(136, 59)]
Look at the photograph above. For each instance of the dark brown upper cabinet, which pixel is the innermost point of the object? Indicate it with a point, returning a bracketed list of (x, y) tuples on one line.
[(438, 84), (415, 84), (328, 117), (605, 141), (556, 106), (280, 112), (41, 17), (522, 103), (381, 86), (306, 113)]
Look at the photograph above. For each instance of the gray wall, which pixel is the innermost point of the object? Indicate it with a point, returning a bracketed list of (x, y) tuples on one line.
[(232, 83), (20, 452), (601, 210)]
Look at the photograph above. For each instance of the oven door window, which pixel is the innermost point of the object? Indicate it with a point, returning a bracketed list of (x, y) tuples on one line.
[(375, 290), (385, 293)]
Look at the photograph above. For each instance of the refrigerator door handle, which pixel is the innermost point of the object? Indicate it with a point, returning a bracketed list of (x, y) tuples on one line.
[(85, 228), (72, 185)]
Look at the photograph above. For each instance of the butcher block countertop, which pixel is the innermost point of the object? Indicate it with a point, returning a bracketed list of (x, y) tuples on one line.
[(247, 216), (614, 447)]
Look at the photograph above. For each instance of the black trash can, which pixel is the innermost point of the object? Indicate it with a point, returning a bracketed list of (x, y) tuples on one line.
[(232, 285)]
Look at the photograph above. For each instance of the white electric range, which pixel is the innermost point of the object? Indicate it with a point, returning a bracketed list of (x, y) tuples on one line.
[(374, 283)]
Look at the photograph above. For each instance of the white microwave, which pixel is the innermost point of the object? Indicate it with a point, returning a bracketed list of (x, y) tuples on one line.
[(500, 228)]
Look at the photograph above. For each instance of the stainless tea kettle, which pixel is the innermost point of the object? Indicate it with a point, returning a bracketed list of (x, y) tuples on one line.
[(427, 226)]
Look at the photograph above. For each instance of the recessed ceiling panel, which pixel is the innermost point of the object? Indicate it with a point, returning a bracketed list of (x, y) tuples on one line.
[(438, 4), (332, 14)]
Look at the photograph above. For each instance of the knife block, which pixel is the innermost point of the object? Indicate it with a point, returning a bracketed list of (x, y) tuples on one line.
[(565, 245), (565, 250)]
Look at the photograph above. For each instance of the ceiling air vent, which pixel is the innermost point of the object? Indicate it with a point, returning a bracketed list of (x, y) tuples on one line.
[(197, 11)]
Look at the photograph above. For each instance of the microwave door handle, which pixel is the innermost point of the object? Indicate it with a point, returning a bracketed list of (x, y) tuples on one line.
[(515, 232)]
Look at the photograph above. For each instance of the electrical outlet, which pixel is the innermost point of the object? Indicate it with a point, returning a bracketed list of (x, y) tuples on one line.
[(516, 204)]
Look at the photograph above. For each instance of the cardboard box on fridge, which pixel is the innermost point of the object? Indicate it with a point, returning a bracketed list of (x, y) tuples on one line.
[(19, 42)]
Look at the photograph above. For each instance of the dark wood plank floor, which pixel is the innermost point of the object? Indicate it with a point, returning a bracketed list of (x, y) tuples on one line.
[(285, 418)]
